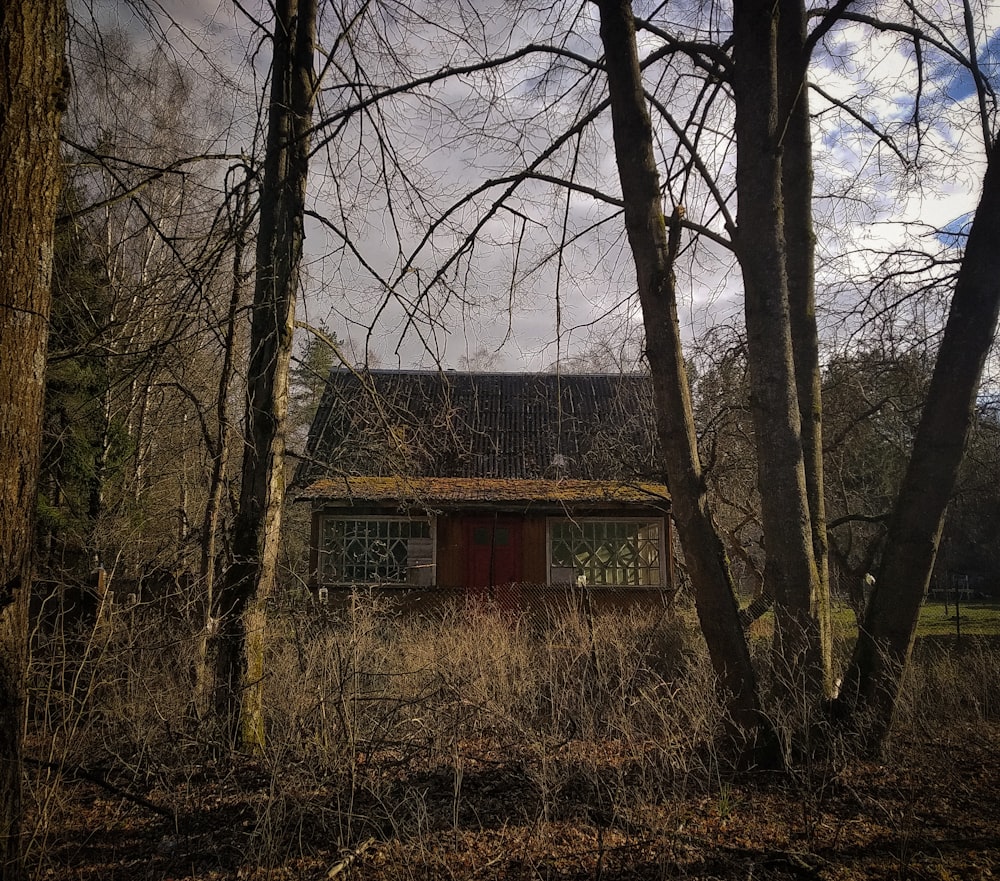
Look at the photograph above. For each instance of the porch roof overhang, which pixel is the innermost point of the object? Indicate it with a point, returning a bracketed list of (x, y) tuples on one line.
[(466, 491)]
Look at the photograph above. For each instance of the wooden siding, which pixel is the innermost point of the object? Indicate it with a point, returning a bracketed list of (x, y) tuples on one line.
[(450, 549), (535, 553)]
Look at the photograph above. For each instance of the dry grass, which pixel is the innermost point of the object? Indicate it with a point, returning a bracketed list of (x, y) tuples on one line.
[(473, 744)]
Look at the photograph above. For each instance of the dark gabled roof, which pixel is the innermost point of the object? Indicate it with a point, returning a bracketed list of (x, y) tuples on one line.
[(523, 426)]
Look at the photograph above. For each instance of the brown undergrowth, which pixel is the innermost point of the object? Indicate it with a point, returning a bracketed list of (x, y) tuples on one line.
[(478, 745)]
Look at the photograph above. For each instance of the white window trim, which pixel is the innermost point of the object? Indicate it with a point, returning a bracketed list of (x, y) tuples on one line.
[(662, 549), (346, 515)]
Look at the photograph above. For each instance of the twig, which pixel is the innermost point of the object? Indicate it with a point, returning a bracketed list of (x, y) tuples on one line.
[(78, 773), (346, 861)]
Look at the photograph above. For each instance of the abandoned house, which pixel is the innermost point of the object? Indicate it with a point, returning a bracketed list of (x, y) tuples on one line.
[(487, 482)]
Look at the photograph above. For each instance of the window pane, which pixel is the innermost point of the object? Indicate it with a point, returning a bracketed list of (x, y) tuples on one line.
[(607, 552), (561, 554), (369, 550)]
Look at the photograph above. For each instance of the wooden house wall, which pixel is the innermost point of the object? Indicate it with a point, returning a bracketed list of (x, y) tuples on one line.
[(450, 550), (534, 559)]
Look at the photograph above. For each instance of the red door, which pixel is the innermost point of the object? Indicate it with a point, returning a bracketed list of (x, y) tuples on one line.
[(493, 558)]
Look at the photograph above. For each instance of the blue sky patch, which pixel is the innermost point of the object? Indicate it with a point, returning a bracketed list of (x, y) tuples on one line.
[(961, 84), (954, 233)]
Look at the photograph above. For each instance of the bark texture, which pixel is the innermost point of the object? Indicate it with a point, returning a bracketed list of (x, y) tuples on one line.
[(886, 641), (32, 95), (250, 579), (654, 251), (800, 266), (760, 243)]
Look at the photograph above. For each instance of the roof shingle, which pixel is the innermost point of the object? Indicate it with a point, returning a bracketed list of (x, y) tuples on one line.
[(489, 426)]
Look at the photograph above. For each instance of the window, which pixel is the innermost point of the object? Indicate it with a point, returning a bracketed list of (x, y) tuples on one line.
[(606, 552), (376, 550)]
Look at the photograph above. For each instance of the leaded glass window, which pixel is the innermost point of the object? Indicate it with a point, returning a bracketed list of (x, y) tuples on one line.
[(607, 552), (373, 550)]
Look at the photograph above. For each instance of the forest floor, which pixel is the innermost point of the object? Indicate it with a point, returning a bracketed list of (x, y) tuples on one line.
[(474, 746), (933, 813)]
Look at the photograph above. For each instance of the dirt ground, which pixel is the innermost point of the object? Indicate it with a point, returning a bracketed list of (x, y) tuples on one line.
[(933, 813)]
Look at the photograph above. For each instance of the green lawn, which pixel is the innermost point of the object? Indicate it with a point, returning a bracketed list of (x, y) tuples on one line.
[(977, 619)]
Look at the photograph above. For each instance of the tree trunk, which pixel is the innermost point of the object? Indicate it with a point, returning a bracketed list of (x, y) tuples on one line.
[(220, 469), (250, 579), (760, 243), (32, 84), (654, 255), (800, 250), (886, 641)]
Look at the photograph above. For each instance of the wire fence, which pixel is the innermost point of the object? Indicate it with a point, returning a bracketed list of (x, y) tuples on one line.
[(945, 613), (957, 615), (537, 602), (956, 612)]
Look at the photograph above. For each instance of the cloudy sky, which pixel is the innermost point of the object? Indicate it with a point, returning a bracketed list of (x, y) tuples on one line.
[(426, 253)]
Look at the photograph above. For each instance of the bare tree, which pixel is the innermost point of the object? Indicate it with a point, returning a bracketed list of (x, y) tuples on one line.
[(890, 623), (655, 250), (219, 450), (279, 250), (139, 338), (765, 64)]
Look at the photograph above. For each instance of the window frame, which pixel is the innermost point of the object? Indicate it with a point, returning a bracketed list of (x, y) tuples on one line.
[(659, 520), (323, 555)]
